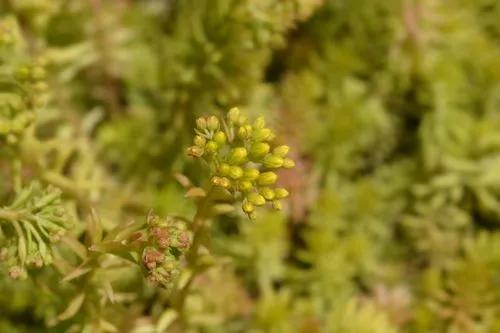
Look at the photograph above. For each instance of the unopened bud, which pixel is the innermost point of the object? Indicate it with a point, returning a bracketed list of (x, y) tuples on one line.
[(243, 133), (272, 161), (220, 138), (259, 149), (223, 169), (221, 181), (211, 147), (256, 199), (213, 123), (267, 193), (195, 151), (238, 155), (201, 123), (245, 186), (235, 172), (281, 151), (259, 123), (281, 193), (199, 141), (251, 174), (248, 207), (233, 115), (261, 134), (277, 205), (288, 163), (267, 178)]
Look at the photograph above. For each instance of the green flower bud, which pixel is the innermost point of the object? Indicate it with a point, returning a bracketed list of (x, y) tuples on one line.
[(213, 123), (272, 161), (211, 147), (281, 151), (233, 115), (235, 172), (267, 178), (281, 193), (238, 155), (248, 207), (251, 174), (224, 169), (195, 151), (259, 149), (256, 199), (267, 193), (245, 186), (220, 138), (259, 123), (199, 141), (261, 134), (288, 163), (201, 123)]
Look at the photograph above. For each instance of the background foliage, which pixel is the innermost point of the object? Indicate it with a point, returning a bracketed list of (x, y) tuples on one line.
[(392, 109)]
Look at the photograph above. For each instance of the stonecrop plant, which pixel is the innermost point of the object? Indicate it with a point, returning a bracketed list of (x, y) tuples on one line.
[(249, 166)]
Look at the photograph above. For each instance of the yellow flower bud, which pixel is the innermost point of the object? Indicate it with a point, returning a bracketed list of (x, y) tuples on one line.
[(242, 133), (235, 172), (199, 141), (233, 115), (272, 161), (259, 149), (288, 163), (256, 199), (238, 155), (211, 147), (267, 178), (201, 123), (261, 134), (245, 186), (213, 123), (259, 123), (242, 119), (281, 193), (248, 207), (281, 151), (224, 169), (277, 205), (195, 151), (220, 138), (267, 193), (251, 174)]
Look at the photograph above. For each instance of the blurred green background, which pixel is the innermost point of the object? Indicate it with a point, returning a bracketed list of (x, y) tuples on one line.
[(392, 110)]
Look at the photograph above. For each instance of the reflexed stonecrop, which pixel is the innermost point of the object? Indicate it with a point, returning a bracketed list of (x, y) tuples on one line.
[(243, 157), (163, 243), (28, 226)]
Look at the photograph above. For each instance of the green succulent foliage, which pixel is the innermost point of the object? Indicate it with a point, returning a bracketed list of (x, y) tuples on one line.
[(392, 112), (33, 221)]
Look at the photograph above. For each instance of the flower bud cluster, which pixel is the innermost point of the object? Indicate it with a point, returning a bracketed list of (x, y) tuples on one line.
[(24, 88), (243, 157), (163, 243), (28, 226)]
